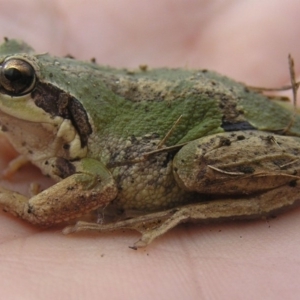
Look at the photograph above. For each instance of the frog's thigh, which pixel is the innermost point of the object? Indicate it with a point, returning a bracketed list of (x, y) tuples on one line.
[(240, 162), (156, 224), (67, 199)]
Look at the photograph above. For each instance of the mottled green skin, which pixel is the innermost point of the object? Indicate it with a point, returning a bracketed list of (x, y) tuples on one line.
[(143, 102), (131, 111)]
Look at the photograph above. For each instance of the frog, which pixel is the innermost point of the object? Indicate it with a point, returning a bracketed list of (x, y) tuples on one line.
[(143, 149)]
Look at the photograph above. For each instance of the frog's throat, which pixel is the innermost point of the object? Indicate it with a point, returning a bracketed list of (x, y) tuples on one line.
[(35, 133)]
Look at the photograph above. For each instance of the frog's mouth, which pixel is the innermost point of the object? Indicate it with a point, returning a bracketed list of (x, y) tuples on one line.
[(42, 122)]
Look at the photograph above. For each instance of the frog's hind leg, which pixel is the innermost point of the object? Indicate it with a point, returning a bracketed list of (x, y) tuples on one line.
[(237, 163), (156, 224)]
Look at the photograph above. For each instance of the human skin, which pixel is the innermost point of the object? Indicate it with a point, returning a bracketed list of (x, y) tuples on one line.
[(246, 40)]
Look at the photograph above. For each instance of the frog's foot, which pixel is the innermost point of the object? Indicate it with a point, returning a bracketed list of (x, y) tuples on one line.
[(14, 165), (150, 226), (156, 224)]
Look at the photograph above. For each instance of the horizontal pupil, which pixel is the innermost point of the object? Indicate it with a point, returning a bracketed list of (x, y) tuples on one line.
[(12, 74)]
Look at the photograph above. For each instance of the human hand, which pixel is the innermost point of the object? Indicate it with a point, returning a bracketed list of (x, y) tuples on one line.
[(245, 40)]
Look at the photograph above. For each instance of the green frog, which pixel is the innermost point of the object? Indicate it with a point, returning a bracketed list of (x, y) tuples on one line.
[(143, 149)]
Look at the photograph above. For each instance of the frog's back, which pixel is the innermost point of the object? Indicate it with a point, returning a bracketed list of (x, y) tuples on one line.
[(151, 100), (207, 102)]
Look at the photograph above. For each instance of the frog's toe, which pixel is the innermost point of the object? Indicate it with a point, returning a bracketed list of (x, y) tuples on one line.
[(151, 226)]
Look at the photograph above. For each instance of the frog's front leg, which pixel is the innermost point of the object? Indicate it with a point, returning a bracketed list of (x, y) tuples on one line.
[(90, 187)]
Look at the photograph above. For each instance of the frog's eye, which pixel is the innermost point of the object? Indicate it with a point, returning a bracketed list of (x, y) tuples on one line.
[(17, 77)]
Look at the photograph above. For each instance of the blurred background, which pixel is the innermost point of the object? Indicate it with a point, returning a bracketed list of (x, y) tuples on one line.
[(247, 40)]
